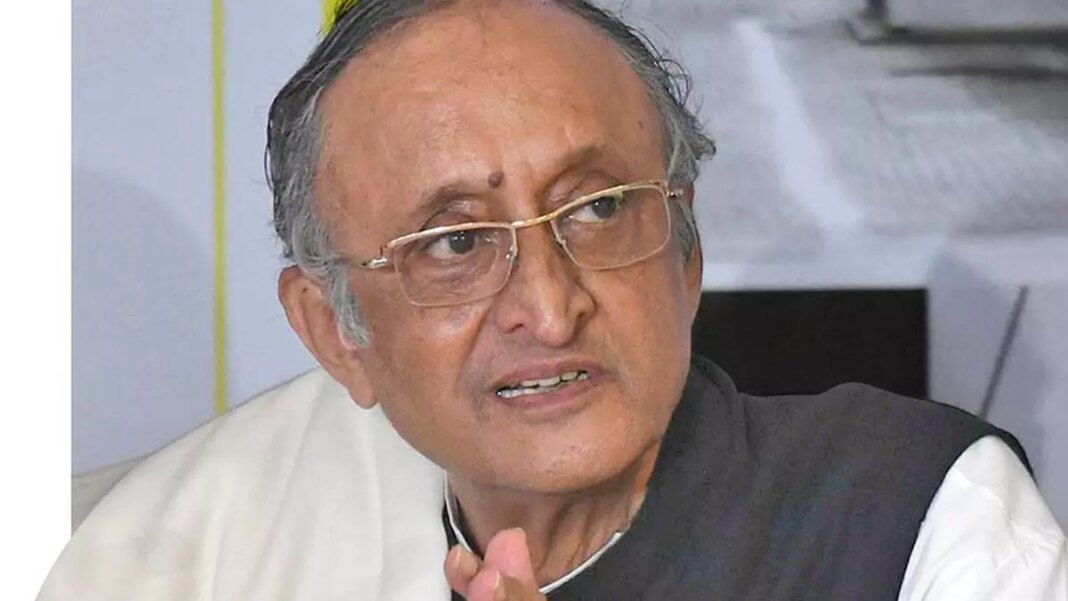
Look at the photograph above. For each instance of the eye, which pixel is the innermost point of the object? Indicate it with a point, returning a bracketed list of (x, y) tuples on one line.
[(600, 209), (452, 245)]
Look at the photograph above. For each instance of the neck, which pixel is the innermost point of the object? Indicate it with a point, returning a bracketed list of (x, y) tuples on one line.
[(563, 529)]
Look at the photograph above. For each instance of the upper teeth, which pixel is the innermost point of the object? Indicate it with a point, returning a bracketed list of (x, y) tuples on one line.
[(529, 386), (568, 377)]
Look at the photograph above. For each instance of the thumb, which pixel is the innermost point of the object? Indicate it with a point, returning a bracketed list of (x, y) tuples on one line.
[(508, 552)]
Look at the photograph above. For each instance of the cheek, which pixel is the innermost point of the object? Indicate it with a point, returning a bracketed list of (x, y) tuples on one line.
[(647, 310), (415, 362), (427, 345), (402, 333)]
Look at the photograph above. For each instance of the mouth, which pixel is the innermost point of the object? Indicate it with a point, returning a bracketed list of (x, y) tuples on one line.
[(543, 385)]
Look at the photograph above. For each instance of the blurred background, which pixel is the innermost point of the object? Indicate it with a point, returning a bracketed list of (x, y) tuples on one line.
[(889, 204)]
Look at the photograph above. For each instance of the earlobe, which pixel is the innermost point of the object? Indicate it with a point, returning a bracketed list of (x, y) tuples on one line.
[(311, 317)]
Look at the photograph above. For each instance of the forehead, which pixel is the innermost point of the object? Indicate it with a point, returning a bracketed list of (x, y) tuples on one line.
[(475, 88)]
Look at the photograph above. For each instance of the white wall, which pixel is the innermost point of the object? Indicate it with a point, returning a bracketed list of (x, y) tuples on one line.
[(980, 13), (266, 41), (973, 288), (143, 336), (142, 206)]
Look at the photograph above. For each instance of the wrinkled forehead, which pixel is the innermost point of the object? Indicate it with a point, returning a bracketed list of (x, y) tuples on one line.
[(476, 86)]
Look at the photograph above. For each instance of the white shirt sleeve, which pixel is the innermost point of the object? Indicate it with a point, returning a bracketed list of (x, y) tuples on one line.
[(988, 535)]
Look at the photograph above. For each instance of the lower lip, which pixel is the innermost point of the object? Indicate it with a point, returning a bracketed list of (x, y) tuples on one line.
[(564, 399)]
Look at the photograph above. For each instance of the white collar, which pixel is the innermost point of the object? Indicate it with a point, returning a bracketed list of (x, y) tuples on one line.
[(450, 509)]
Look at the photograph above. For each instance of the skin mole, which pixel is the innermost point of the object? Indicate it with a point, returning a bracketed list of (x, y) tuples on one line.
[(496, 179)]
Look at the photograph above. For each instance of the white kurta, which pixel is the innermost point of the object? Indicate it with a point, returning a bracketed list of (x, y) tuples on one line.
[(301, 495), (297, 495)]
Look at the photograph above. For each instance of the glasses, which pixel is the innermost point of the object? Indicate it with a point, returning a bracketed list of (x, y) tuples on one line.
[(464, 263)]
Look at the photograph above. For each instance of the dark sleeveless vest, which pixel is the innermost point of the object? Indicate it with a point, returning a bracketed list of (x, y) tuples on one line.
[(783, 498)]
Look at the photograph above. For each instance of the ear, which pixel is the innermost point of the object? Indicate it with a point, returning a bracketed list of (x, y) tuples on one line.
[(311, 317), (695, 262)]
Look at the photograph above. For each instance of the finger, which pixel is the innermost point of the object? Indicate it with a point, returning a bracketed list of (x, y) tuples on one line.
[(508, 552), (460, 567), (517, 590), (488, 585)]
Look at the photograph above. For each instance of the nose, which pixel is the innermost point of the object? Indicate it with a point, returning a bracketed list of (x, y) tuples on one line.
[(545, 296)]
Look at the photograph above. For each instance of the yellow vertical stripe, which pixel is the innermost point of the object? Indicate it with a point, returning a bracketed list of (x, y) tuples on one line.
[(218, 60), (328, 15), (329, 8)]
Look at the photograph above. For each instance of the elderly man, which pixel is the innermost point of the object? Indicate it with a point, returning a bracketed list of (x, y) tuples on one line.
[(488, 207)]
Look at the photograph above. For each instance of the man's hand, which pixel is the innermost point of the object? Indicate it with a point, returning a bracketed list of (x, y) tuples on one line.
[(504, 575)]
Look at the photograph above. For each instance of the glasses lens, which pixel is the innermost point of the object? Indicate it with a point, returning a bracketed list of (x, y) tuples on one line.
[(455, 267), (617, 228)]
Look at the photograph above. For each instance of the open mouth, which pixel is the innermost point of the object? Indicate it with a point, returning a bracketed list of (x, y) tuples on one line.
[(541, 386)]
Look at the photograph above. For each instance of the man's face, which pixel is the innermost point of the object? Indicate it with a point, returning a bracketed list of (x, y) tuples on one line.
[(510, 107)]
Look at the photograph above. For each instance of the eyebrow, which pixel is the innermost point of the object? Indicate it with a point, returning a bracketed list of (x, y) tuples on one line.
[(433, 201)]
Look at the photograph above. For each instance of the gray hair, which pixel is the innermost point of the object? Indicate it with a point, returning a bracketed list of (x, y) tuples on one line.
[(294, 134)]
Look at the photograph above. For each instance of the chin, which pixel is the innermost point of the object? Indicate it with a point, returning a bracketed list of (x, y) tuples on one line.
[(605, 442), (584, 468)]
